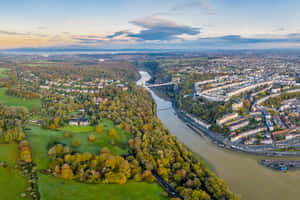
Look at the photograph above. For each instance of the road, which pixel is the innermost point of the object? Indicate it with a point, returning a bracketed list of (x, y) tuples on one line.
[(166, 185)]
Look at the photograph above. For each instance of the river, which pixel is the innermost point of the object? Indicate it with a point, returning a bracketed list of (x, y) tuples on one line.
[(240, 171)]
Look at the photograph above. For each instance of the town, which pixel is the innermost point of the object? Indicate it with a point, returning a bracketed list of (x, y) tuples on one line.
[(253, 101)]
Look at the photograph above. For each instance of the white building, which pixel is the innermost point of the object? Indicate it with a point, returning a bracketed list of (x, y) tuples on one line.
[(226, 118), (247, 133)]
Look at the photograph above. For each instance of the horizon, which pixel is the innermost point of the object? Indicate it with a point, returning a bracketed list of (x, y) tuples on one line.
[(123, 24)]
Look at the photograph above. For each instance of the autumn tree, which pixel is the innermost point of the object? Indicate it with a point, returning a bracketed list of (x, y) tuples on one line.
[(34, 109), (112, 133), (92, 138), (25, 153), (68, 134), (75, 143), (66, 172), (52, 127), (99, 128)]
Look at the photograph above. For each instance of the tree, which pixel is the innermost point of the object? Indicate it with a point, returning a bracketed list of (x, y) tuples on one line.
[(127, 128), (99, 128), (26, 156), (25, 153), (200, 195), (75, 143), (147, 176), (34, 109), (52, 127), (112, 133), (259, 135), (92, 138), (66, 172), (68, 134), (117, 178), (57, 169), (247, 104), (105, 150), (131, 143)]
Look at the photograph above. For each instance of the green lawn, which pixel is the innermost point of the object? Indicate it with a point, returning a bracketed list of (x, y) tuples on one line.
[(14, 101), (37, 65), (11, 184), (9, 153), (3, 74), (77, 129), (40, 140), (51, 188)]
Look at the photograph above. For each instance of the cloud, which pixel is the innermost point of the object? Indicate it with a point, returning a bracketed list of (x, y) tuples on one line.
[(24, 35), (293, 35), (158, 30), (240, 39), (155, 28), (240, 42), (116, 34), (4, 32), (87, 39)]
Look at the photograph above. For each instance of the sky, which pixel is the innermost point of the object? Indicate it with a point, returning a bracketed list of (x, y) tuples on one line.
[(158, 24)]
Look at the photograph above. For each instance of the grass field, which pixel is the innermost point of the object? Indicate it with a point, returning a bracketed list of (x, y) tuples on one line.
[(14, 101), (40, 140), (11, 183), (55, 188), (39, 63), (78, 129), (1, 72), (9, 153)]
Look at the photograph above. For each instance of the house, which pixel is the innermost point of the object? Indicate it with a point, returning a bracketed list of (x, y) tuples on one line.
[(79, 122), (238, 125), (248, 133), (269, 125), (84, 122), (227, 118), (291, 136), (238, 104), (282, 132), (267, 141), (278, 122), (275, 90), (81, 110), (73, 122), (44, 87)]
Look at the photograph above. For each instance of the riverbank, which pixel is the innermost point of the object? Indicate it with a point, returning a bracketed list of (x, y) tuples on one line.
[(270, 150), (225, 143), (281, 165), (241, 171), (221, 141)]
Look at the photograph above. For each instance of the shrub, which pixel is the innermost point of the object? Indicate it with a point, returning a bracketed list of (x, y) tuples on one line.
[(92, 138), (75, 143)]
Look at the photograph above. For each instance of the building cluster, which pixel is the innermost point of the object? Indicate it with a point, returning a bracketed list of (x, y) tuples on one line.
[(70, 85), (72, 88), (255, 79)]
